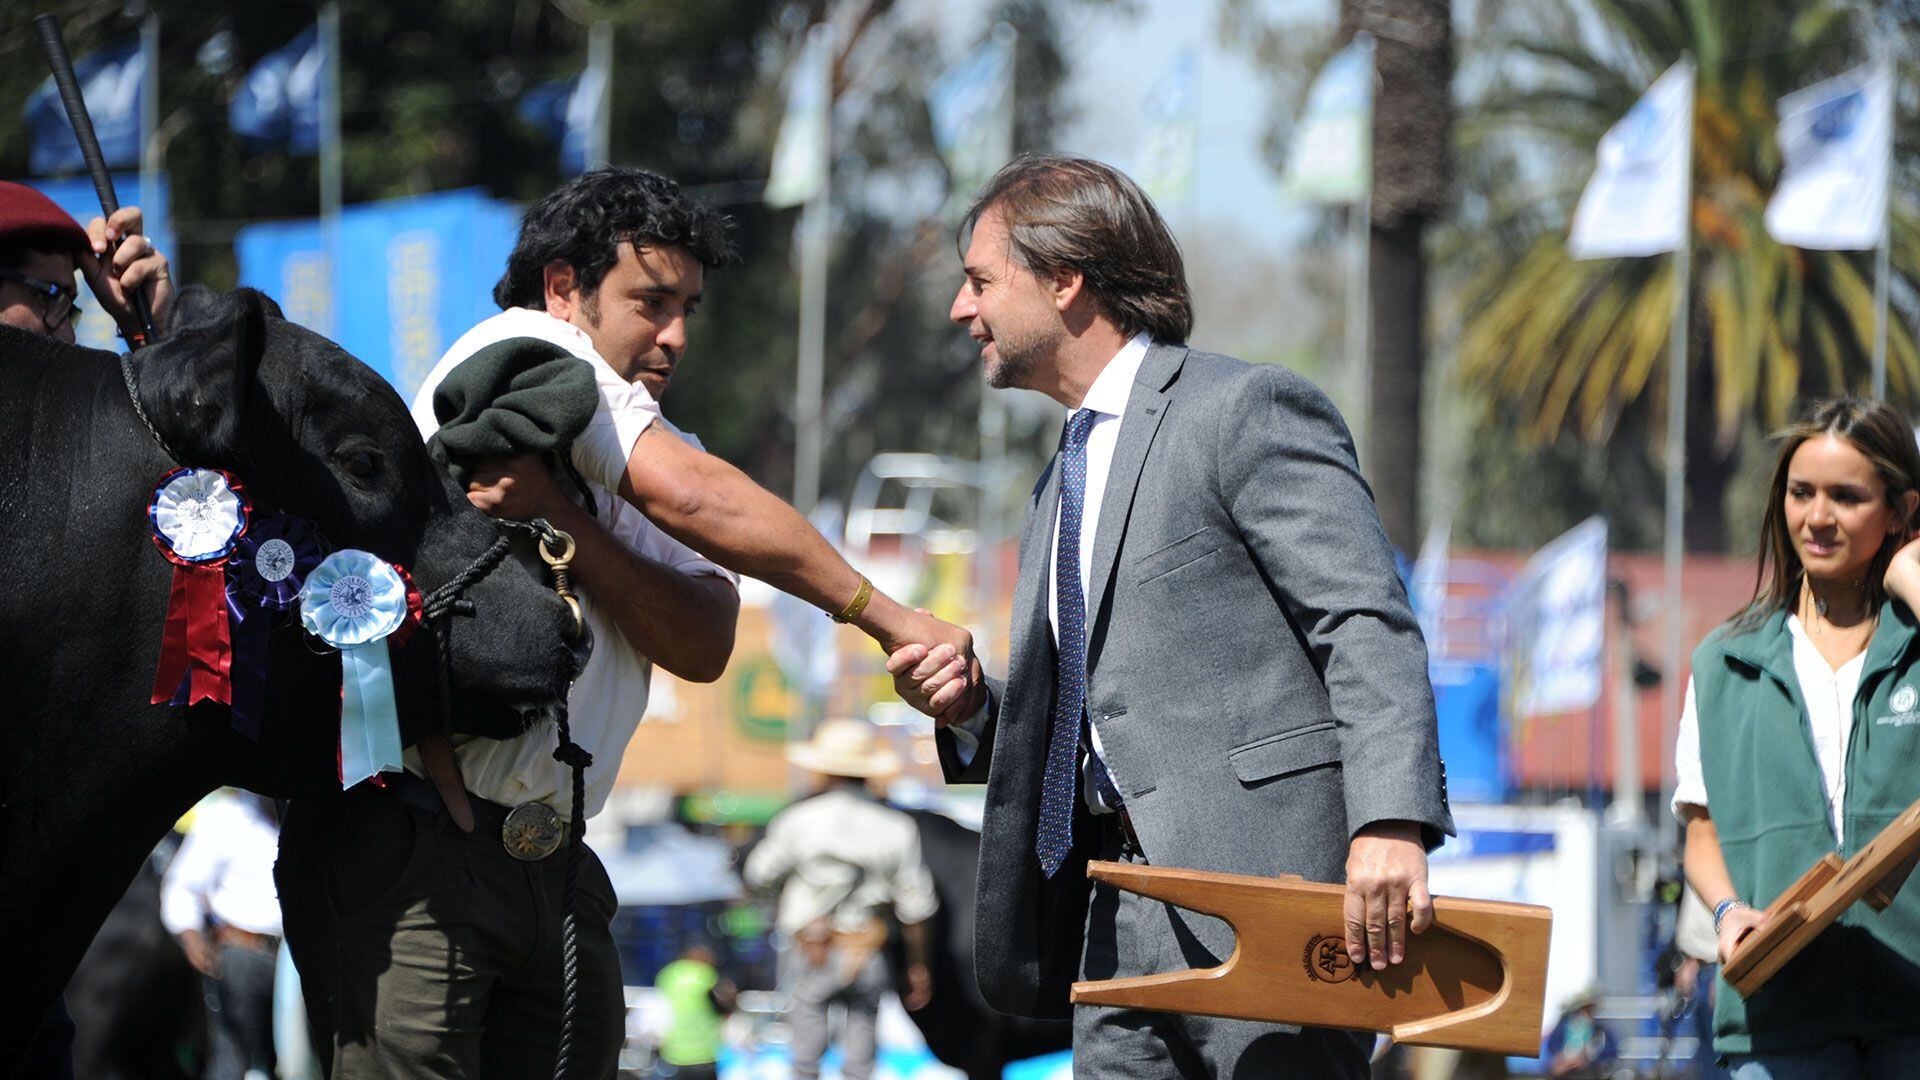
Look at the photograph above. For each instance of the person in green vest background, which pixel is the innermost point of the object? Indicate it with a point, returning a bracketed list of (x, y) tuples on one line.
[(698, 1001), (1800, 737)]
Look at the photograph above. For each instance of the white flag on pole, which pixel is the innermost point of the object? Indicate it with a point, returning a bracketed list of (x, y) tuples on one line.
[(1165, 168), (971, 106), (1835, 142), (1331, 157), (1636, 203), (802, 149), (1558, 623)]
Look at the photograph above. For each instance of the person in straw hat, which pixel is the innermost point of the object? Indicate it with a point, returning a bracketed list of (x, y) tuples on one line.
[(846, 864)]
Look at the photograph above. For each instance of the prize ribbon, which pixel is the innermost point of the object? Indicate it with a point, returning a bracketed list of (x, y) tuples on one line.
[(197, 516), (264, 575), (353, 601)]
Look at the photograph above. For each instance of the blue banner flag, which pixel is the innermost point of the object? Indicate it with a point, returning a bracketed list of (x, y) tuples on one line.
[(414, 274), (112, 80), (279, 103), (570, 108)]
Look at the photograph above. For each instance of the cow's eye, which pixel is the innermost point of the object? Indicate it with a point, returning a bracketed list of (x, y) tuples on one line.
[(361, 464)]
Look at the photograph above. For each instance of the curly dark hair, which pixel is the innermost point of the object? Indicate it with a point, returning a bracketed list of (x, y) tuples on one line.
[(584, 221)]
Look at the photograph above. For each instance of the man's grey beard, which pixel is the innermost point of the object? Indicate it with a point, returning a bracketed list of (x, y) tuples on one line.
[(1010, 371)]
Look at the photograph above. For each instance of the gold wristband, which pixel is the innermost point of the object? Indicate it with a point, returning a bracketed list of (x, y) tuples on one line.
[(852, 611)]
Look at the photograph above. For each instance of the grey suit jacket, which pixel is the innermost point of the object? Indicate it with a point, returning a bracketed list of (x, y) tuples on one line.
[(1254, 669)]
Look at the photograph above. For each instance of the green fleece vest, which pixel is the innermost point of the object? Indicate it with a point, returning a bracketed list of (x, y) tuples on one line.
[(1860, 978)]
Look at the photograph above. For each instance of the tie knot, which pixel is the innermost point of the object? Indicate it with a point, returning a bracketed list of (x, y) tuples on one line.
[(1079, 425)]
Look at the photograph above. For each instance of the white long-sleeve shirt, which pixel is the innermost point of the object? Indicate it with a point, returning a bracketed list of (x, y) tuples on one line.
[(223, 873)]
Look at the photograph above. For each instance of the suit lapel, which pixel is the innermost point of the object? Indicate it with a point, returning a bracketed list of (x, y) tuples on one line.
[(1146, 407)]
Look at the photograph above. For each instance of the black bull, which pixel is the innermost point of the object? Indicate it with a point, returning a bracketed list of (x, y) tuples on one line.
[(961, 1029), (91, 775)]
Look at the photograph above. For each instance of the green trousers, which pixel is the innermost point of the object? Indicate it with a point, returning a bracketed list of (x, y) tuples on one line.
[(425, 952)]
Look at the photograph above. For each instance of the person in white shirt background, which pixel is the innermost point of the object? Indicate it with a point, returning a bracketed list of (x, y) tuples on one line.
[(218, 900)]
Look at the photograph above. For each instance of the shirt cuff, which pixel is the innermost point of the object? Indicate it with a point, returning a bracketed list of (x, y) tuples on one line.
[(967, 733)]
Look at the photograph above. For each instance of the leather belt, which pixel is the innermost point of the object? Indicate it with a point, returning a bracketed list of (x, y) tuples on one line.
[(529, 832), (246, 939), (1122, 823)]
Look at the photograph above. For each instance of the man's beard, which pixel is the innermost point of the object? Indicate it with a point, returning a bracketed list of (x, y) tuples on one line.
[(1014, 367)]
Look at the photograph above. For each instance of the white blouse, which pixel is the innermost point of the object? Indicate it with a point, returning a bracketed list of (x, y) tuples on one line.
[(1829, 696)]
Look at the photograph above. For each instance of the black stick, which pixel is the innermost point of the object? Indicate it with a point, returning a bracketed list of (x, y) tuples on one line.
[(61, 64)]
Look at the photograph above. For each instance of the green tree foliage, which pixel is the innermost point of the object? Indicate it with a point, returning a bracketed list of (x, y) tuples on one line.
[(1565, 350)]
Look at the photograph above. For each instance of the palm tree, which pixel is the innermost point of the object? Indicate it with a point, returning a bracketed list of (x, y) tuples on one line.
[(1412, 186), (1559, 346)]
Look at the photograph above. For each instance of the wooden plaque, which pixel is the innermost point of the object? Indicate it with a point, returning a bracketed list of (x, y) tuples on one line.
[(1821, 896), (1475, 980)]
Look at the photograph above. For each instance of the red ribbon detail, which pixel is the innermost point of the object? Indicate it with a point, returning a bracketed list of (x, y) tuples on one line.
[(198, 642)]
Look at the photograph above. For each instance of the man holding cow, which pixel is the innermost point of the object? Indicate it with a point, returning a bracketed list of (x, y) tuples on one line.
[(429, 951)]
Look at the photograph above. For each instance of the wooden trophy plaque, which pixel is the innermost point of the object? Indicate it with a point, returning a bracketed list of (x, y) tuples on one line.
[(1821, 896), (1475, 980)]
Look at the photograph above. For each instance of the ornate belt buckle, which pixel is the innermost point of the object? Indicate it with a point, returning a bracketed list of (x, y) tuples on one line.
[(532, 831)]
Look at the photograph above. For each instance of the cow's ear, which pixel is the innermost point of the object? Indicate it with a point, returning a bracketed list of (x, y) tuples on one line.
[(199, 385)]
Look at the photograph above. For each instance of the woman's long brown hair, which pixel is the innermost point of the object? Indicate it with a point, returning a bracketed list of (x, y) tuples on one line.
[(1883, 436)]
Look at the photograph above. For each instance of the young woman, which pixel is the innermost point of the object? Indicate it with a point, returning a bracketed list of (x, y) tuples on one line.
[(1801, 736)]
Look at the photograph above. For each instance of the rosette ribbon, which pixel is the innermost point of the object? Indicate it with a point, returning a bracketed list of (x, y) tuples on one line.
[(197, 516), (264, 575), (354, 601)]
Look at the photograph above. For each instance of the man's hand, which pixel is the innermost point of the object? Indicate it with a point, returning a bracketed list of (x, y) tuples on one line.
[(919, 988), (1386, 891), (519, 489), (136, 267), (1736, 924), (939, 681)]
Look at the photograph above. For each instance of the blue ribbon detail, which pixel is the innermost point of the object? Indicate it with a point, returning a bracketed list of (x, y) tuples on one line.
[(352, 601)]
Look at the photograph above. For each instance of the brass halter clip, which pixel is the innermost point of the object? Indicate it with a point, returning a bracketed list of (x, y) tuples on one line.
[(556, 550)]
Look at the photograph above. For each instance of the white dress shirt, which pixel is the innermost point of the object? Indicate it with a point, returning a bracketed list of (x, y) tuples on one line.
[(1829, 696), (1107, 399), (223, 873), (610, 696)]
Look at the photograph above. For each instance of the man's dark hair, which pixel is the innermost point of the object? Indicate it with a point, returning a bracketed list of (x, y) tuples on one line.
[(1067, 213), (585, 220)]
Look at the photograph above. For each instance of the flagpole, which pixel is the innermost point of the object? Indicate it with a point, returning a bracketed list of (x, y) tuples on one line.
[(1883, 255), (330, 175), (150, 117), (993, 419), (1359, 303), (600, 59), (814, 237), (1675, 529)]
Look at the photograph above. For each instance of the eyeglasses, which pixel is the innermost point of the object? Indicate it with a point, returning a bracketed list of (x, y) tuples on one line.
[(58, 302)]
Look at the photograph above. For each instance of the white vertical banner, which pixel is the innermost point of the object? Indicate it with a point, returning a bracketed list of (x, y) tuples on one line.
[(1637, 201), (803, 147), (1167, 140), (1557, 624), (1836, 140), (1331, 157), (971, 107)]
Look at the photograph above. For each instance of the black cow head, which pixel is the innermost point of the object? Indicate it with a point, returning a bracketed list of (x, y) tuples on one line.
[(313, 432)]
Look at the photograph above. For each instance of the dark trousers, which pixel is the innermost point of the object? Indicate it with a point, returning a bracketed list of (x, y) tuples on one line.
[(1128, 935), (425, 952), (240, 1014)]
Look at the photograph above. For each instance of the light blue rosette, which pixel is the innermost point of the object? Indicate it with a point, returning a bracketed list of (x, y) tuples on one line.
[(352, 601)]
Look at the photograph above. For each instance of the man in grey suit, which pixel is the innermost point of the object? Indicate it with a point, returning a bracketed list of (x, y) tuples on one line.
[(1213, 664)]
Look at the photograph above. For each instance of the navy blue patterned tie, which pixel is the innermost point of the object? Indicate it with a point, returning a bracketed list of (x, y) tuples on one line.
[(1057, 789)]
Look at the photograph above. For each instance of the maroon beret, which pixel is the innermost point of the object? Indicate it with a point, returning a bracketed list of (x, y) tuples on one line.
[(26, 216)]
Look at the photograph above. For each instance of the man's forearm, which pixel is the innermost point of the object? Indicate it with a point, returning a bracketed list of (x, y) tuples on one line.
[(684, 623), (720, 512), (914, 937)]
